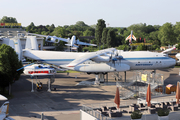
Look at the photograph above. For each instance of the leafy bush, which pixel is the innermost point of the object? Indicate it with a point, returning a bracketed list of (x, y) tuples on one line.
[(163, 112), (136, 114)]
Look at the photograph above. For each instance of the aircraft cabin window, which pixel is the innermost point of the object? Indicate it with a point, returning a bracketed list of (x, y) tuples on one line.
[(149, 61), (160, 61), (156, 61), (138, 62)]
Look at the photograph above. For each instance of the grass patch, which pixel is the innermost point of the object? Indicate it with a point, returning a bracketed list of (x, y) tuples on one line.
[(177, 66), (68, 71)]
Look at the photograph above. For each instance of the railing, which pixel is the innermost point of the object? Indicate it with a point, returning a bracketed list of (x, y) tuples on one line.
[(92, 108)]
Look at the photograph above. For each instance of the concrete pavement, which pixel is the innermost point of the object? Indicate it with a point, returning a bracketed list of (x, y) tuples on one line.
[(65, 102)]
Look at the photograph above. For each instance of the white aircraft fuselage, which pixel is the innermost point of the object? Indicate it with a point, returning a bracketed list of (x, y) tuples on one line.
[(135, 60)]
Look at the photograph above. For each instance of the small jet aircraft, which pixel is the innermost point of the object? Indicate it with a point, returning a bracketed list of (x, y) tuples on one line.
[(71, 42), (130, 37)]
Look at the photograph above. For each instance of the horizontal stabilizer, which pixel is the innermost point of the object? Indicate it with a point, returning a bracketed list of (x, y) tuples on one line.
[(83, 43)]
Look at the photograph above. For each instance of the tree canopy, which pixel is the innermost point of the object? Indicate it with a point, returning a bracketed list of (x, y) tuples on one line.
[(99, 29), (167, 34), (9, 63), (6, 19)]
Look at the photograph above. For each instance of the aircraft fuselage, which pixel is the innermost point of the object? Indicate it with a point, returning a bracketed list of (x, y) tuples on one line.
[(135, 60)]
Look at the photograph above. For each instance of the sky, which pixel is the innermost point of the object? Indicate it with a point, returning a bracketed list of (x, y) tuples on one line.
[(115, 13)]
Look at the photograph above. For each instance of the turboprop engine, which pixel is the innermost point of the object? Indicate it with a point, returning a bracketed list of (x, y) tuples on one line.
[(103, 67)]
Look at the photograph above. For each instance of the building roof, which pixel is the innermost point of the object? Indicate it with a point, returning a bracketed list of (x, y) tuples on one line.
[(11, 32)]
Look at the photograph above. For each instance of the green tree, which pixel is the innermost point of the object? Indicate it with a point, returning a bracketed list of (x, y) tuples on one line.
[(59, 32), (141, 47), (51, 28), (9, 63), (153, 36), (6, 19), (32, 24), (177, 31), (178, 46), (99, 29), (104, 36), (110, 38), (123, 47), (88, 32), (81, 23), (30, 28), (166, 34)]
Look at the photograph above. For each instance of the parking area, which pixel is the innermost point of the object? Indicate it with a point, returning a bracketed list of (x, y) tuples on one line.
[(67, 99)]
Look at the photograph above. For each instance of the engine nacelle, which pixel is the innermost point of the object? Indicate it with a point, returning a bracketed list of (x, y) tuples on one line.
[(103, 67), (101, 59)]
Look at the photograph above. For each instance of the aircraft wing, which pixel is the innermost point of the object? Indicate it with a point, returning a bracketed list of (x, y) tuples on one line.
[(37, 35), (61, 39), (168, 50), (88, 56), (133, 37), (53, 38), (83, 43)]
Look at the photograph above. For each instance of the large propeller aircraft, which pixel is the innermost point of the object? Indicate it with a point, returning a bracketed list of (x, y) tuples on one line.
[(70, 42), (103, 61), (100, 62)]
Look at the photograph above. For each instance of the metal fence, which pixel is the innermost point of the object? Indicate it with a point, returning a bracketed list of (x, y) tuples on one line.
[(136, 86), (92, 108)]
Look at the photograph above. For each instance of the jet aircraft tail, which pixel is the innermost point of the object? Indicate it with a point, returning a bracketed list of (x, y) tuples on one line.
[(31, 43)]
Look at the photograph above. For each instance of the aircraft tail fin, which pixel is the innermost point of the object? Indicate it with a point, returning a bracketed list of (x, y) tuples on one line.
[(31, 43), (15, 43)]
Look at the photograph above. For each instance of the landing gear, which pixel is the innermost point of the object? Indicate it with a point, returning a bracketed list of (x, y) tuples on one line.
[(124, 76), (49, 85), (32, 84), (99, 78)]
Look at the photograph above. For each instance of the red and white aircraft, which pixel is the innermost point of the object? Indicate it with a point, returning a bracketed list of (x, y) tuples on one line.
[(130, 37), (39, 70)]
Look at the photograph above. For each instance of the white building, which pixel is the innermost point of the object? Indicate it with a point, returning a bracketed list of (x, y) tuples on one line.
[(9, 33)]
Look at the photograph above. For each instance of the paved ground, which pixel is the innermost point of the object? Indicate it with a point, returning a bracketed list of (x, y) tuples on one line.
[(65, 102)]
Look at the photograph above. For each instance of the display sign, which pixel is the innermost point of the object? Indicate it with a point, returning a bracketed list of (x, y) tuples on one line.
[(137, 44), (144, 77), (10, 24)]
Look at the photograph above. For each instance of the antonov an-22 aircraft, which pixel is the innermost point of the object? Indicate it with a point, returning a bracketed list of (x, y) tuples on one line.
[(100, 62), (103, 61)]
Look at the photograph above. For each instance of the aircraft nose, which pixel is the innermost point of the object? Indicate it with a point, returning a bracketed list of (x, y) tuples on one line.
[(173, 62)]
